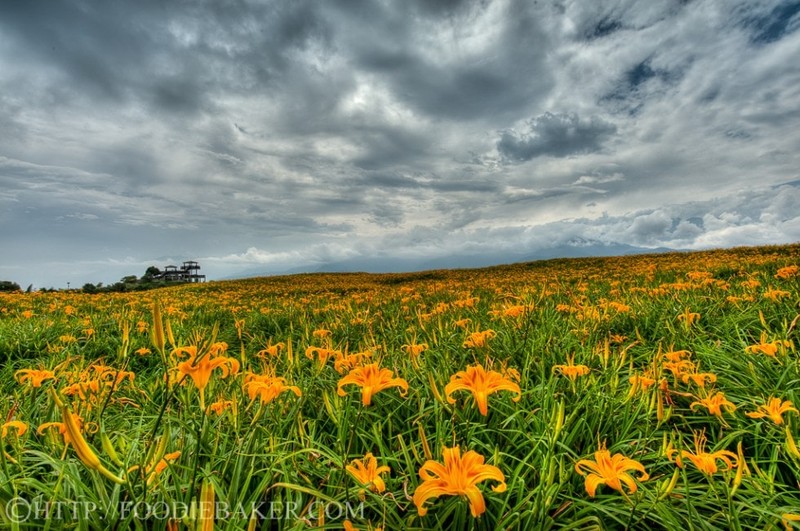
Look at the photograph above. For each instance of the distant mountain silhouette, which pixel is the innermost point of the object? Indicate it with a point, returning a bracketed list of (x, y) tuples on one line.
[(577, 248)]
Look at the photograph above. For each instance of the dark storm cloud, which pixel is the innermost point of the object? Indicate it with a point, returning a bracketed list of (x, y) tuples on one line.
[(440, 7), (772, 24), (496, 77), (638, 86), (555, 135), (385, 147), (170, 56)]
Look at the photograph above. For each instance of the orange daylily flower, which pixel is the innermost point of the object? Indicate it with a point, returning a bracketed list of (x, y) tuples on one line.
[(640, 382), (272, 350), (750, 283), (62, 428), (19, 426), (348, 526), (96, 379), (220, 406), (321, 333), (511, 311), (570, 370), (414, 349), (704, 461), (769, 348), (774, 410), (609, 470), (372, 379), (267, 387), (68, 338), (163, 464), (152, 472), (322, 354), (699, 378), (776, 294), (688, 317), (200, 369), (479, 339), (788, 518), (469, 302), (35, 376), (368, 473), (676, 355), (458, 476), (788, 272), (714, 403), (481, 384), (348, 362), (678, 368)]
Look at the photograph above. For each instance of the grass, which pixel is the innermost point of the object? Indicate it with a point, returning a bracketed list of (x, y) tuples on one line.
[(279, 461)]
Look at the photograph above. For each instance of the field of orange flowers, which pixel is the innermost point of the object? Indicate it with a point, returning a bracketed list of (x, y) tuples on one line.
[(657, 391)]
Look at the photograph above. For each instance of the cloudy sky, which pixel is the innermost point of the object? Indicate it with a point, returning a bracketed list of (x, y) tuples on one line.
[(275, 135)]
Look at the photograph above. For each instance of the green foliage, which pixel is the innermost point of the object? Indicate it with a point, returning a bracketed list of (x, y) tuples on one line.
[(8, 286), (616, 316)]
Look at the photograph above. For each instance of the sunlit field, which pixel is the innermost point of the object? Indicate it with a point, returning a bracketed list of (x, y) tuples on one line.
[(643, 392)]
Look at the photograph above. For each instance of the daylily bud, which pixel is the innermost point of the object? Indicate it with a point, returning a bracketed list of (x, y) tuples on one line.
[(425, 448), (791, 447), (158, 328), (669, 485), (559, 420), (85, 453), (436, 394), (741, 469), (205, 521), (170, 336), (108, 447)]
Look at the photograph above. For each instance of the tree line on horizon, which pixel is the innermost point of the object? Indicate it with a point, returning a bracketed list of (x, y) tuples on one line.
[(150, 280)]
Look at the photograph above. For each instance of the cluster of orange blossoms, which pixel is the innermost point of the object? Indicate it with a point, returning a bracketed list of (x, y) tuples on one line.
[(455, 474)]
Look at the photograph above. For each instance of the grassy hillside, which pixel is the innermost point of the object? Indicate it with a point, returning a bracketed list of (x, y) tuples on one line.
[(650, 391)]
